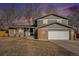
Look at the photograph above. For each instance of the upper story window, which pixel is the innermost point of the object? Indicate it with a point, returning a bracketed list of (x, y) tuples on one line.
[(59, 21), (45, 21), (65, 22)]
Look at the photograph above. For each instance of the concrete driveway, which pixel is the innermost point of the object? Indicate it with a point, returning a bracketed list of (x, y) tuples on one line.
[(71, 45)]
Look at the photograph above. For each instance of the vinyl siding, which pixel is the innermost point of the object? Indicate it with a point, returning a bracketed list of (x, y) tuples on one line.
[(51, 19)]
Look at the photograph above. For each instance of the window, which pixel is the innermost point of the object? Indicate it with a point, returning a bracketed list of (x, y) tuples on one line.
[(45, 21), (60, 21), (65, 22)]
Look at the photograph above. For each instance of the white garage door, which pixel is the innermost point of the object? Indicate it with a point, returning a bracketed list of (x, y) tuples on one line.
[(58, 35)]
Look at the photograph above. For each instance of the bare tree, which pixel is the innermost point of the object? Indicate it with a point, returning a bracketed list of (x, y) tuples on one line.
[(74, 20)]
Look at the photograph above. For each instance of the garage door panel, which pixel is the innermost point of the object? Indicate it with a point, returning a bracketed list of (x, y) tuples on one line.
[(58, 35)]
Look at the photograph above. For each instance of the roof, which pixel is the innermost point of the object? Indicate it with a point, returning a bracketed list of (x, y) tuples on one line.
[(58, 24), (53, 15), (16, 26)]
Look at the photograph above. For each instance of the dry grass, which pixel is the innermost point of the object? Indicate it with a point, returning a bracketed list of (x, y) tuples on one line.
[(28, 47)]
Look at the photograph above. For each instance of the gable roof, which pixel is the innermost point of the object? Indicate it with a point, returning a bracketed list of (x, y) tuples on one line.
[(58, 24), (53, 15)]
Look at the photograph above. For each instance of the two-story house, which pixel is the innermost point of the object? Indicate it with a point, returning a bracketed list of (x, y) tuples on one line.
[(54, 27)]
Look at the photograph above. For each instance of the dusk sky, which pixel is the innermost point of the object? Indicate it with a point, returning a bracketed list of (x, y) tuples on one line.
[(36, 9), (64, 8)]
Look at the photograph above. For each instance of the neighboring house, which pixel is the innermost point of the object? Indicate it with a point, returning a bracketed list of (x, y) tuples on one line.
[(19, 30), (54, 27)]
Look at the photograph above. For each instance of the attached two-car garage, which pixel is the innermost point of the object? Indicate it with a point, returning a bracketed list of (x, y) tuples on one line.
[(58, 35), (56, 31), (45, 34)]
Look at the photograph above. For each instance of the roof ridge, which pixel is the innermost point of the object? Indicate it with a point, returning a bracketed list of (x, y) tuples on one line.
[(51, 14), (68, 26)]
